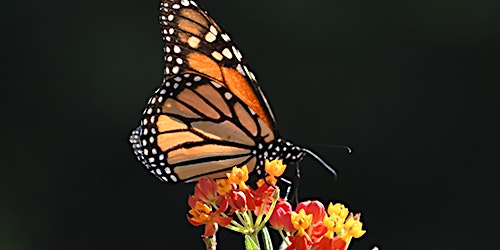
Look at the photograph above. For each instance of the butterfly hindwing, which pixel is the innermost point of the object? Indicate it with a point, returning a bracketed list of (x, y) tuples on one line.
[(194, 125)]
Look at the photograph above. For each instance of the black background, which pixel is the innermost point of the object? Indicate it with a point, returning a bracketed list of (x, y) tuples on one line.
[(411, 86)]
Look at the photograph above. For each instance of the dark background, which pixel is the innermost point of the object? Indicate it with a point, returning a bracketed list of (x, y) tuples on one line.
[(411, 86)]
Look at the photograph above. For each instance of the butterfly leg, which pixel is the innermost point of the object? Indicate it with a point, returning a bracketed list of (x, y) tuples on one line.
[(291, 185)]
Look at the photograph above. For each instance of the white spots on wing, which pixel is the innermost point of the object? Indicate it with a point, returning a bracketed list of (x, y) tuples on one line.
[(227, 53), (193, 42), (197, 78), (178, 61), (213, 30), (237, 53), (152, 100), (228, 95), (225, 37), (177, 49), (249, 73), (216, 84), (217, 55), (176, 6), (175, 69), (170, 17), (185, 2), (240, 69), (209, 37), (252, 76)]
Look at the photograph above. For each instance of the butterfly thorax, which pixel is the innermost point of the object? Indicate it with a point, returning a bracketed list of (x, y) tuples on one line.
[(278, 149)]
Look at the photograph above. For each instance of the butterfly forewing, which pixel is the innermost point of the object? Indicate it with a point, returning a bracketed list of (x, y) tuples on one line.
[(195, 43)]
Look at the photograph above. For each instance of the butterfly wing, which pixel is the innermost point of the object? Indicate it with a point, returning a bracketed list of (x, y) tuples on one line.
[(193, 127), (209, 114), (195, 43)]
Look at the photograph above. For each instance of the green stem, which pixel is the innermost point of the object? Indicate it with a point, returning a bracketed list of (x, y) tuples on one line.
[(285, 239), (255, 238), (275, 200), (210, 243)]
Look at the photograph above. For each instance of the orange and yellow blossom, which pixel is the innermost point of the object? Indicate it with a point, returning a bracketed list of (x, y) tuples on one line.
[(239, 176)]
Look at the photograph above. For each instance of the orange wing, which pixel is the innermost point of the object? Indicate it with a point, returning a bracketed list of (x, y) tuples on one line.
[(209, 114), (195, 43), (194, 127)]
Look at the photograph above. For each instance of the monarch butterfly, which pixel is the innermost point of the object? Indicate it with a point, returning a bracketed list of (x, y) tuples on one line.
[(209, 114)]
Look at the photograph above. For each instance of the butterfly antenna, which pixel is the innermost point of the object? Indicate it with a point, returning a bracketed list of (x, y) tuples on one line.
[(322, 161), (349, 150)]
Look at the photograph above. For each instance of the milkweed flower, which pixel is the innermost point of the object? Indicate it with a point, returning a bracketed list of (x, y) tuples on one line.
[(274, 169), (239, 176), (281, 216), (236, 205), (206, 190), (202, 214)]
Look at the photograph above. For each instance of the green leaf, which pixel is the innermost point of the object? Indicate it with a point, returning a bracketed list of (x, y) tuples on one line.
[(250, 244), (266, 237)]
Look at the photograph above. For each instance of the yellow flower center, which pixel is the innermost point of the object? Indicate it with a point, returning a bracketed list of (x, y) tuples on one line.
[(334, 225), (275, 168), (301, 221), (239, 176), (338, 209), (353, 227)]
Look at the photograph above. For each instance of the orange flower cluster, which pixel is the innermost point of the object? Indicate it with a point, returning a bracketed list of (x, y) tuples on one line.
[(309, 226), (233, 204), (214, 203)]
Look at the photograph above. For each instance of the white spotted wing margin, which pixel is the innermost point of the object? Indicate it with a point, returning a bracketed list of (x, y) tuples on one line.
[(194, 127), (188, 30)]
